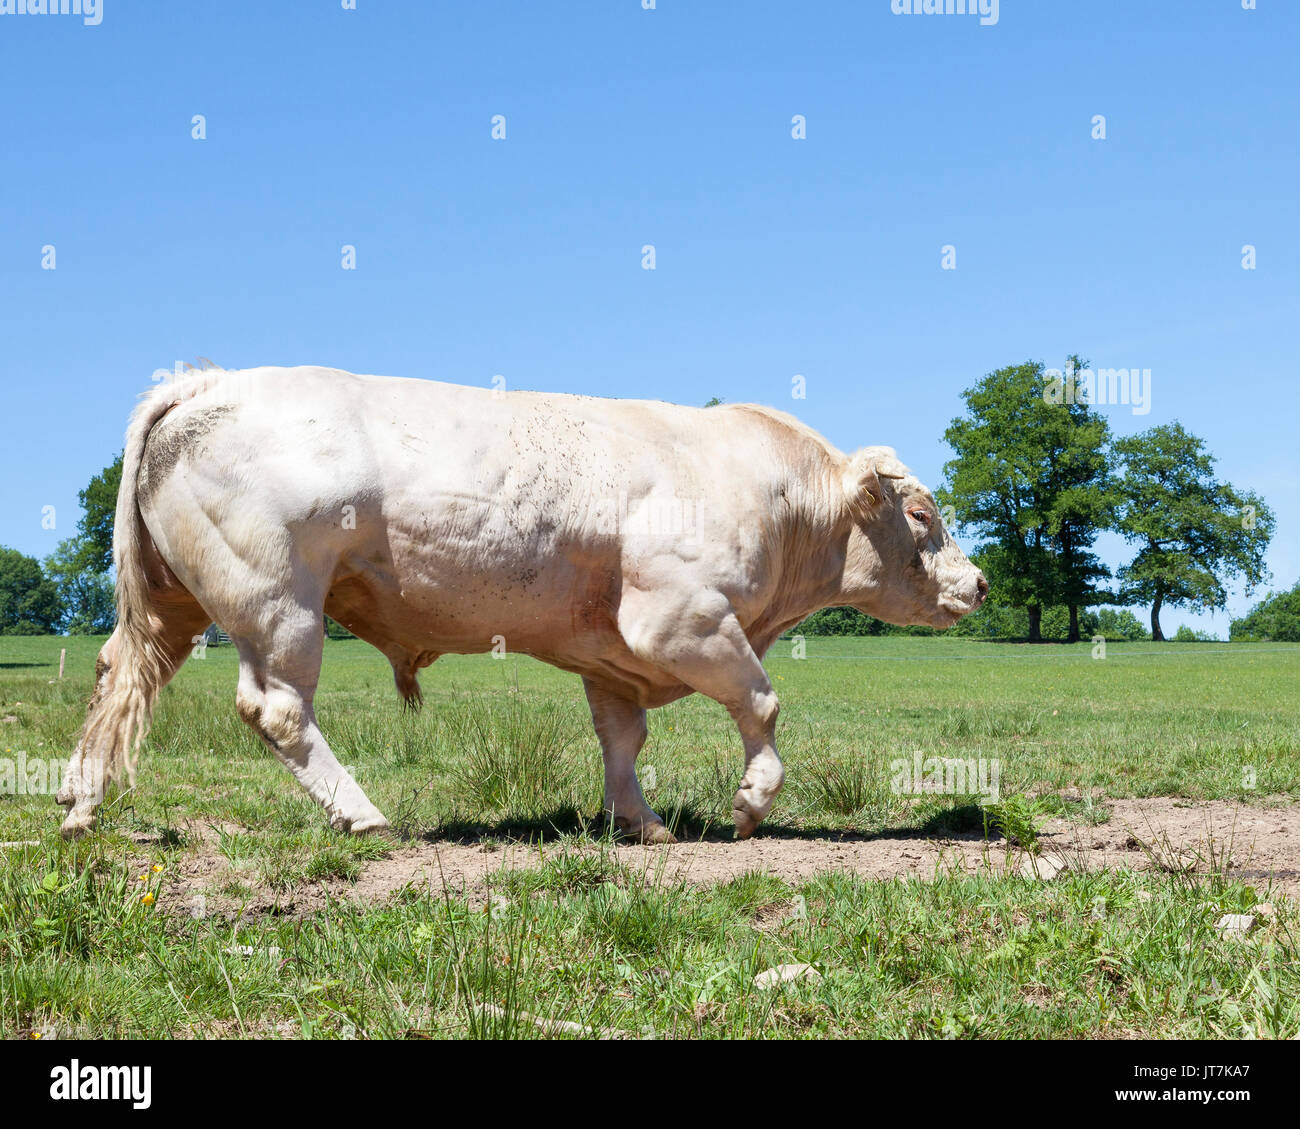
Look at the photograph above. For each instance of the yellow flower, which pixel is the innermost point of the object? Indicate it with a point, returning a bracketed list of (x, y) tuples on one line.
[(157, 869), (147, 899), (141, 877), (34, 1035)]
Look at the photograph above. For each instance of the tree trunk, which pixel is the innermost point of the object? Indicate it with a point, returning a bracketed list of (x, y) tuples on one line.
[(1035, 623), (1157, 636), (1073, 636)]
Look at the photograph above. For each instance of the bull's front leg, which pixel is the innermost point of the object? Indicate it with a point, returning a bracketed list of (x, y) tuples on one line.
[(764, 772), (621, 727), (712, 655)]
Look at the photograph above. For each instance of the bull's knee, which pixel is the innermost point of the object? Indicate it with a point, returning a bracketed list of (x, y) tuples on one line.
[(756, 717), (277, 716)]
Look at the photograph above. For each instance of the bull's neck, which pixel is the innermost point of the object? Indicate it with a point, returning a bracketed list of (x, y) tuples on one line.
[(813, 553)]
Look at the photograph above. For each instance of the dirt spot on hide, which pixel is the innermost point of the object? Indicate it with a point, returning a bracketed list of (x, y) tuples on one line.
[(1255, 844), (177, 433)]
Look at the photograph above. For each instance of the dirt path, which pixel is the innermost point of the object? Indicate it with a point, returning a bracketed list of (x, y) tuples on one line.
[(1259, 844)]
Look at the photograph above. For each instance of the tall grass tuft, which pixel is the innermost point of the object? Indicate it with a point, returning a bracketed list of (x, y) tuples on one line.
[(519, 756)]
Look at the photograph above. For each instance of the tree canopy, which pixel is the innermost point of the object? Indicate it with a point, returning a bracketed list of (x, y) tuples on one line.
[(1194, 532), (1031, 475), (29, 601), (99, 503), (85, 594)]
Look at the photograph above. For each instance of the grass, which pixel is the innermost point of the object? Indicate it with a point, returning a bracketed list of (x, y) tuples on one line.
[(504, 750), (1099, 956)]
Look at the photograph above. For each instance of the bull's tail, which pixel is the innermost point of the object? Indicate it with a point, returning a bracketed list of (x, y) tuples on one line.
[(119, 716)]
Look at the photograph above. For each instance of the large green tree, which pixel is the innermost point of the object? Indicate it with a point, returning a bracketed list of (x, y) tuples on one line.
[(85, 594), (1195, 533), (29, 600), (99, 503), (1031, 475)]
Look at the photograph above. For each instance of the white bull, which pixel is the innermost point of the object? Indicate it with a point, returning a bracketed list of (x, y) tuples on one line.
[(653, 549)]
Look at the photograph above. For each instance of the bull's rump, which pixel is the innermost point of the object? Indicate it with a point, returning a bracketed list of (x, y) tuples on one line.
[(443, 516)]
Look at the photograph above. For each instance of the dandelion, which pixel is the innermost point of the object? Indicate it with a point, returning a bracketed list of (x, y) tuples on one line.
[(142, 877), (148, 899), (157, 868)]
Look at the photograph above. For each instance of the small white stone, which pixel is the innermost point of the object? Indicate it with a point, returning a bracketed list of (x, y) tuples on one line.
[(783, 973), (1264, 909), (1043, 867), (1235, 923)]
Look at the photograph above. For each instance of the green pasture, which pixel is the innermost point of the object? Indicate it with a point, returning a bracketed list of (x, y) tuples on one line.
[(503, 749)]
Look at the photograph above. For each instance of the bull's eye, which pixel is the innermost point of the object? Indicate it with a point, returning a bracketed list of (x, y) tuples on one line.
[(922, 516)]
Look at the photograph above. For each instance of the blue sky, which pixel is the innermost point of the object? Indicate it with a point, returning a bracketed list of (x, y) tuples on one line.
[(672, 127)]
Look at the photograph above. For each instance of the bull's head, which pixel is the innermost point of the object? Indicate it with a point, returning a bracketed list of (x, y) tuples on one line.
[(901, 563)]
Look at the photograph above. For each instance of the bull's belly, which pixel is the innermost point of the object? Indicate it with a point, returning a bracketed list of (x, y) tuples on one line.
[(415, 612)]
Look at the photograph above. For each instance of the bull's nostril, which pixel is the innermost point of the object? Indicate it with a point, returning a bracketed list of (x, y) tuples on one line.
[(982, 586)]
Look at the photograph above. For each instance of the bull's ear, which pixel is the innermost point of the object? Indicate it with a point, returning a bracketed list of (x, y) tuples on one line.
[(862, 478)]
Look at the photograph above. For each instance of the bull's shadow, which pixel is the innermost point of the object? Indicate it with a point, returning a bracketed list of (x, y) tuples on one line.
[(691, 824)]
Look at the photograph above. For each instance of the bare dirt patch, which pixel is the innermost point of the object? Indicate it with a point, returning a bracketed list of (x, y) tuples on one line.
[(1258, 844)]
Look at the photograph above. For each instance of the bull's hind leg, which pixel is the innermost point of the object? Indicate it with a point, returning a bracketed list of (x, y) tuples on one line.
[(278, 671), (83, 785), (620, 725)]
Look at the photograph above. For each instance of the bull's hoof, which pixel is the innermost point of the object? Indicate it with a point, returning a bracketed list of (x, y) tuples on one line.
[(364, 823), (644, 830), (369, 826), (77, 825), (746, 824)]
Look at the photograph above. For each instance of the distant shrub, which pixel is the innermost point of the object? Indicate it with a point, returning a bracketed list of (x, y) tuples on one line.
[(1275, 619), (336, 630), (850, 621), (991, 621), (1120, 624), (1186, 635)]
